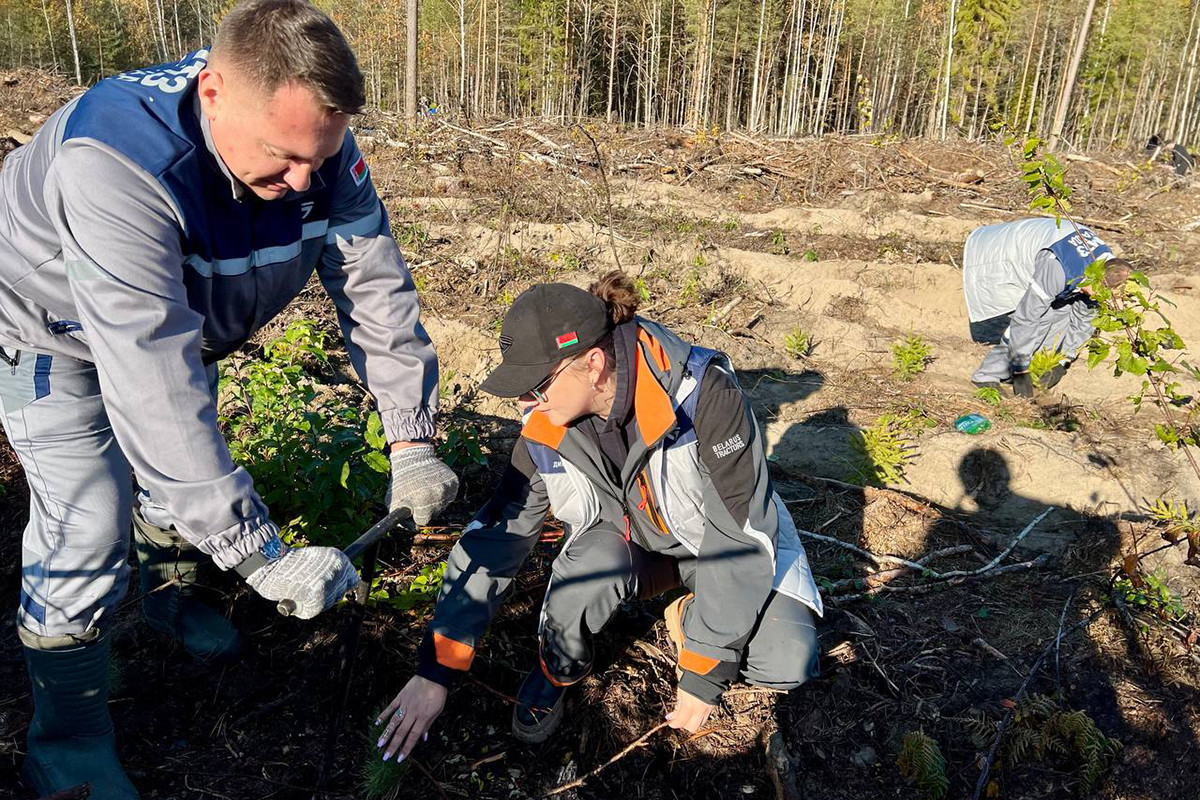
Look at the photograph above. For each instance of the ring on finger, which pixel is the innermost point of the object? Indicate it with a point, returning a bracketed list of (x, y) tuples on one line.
[(399, 715)]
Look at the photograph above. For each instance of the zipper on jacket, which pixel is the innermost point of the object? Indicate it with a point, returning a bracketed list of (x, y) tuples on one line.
[(648, 505)]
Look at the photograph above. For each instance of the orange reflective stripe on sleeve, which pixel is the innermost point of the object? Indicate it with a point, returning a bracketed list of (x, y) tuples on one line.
[(694, 662), (452, 654), (689, 660)]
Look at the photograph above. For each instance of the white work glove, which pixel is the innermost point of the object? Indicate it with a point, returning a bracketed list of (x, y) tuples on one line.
[(314, 578), (420, 482)]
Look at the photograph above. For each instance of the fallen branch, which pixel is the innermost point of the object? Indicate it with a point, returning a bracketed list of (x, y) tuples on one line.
[(629, 748), (553, 145), (508, 698), (874, 558), (886, 575), (779, 766), (970, 577), (1011, 546), (435, 539), (498, 144), (1089, 160)]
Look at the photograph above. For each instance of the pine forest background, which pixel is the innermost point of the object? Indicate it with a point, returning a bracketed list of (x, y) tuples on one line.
[(933, 68)]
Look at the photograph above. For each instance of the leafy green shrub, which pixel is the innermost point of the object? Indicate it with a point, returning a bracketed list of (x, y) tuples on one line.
[(798, 343), (779, 244), (411, 235), (1151, 592), (1177, 519), (1042, 364), (461, 447), (921, 763), (910, 356), (317, 461), (883, 450), (421, 591), (989, 395), (643, 291), (810, 255), (566, 260), (1131, 327)]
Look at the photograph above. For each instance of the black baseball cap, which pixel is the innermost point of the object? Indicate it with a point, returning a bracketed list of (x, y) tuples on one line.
[(546, 324)]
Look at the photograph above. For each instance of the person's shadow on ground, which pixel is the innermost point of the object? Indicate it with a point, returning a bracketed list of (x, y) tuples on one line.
[(935, 661)]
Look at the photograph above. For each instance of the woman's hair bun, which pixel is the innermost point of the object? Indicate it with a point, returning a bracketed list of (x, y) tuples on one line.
[(619, 293)]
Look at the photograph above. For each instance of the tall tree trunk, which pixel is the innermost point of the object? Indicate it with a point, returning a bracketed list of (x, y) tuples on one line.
[(752, 114), (49, 37), (612, 60), (74, 42), (1025, 67), (462, 55), (1037, 76), (496, 64), (733, 61), (567, 68), (410, 63), (1188, 99), (945, 107), (585, 61), (1064, 99), (696, 115), (833, 33)]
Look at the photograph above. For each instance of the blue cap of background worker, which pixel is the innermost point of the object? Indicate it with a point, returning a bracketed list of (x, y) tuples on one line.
[(546, 324)]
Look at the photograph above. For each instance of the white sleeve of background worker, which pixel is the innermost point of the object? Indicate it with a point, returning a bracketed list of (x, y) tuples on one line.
[(365, 275), (1034, 320), (120, 239)]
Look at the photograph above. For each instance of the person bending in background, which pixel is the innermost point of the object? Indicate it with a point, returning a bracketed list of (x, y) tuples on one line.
[(1023, 277)]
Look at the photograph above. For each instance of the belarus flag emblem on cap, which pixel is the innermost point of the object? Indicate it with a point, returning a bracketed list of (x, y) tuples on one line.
[(358, 171), (567, 339)]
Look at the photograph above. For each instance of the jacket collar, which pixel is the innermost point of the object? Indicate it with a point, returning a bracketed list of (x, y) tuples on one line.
[(653, 410)]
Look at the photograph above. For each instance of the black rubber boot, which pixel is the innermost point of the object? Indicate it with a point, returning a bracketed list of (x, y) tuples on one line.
[(71, 739), (178, 610), (539, 708), (1055, 375)]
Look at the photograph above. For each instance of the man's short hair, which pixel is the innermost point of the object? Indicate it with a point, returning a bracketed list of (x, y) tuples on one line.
[(276, 42), (1116, 272)]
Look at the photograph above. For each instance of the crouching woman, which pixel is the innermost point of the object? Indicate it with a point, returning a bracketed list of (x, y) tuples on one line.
[(646, 449)]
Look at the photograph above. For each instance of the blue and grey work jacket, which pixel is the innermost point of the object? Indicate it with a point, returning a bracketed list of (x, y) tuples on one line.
[(1031, 270), (126, 242)]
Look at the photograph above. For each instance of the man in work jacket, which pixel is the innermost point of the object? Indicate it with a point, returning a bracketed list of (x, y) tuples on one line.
[(670, 486), (151, 227), (1023, 277)]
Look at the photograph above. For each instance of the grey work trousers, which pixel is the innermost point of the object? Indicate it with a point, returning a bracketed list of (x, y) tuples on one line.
[(598, 570), (74, 550)]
